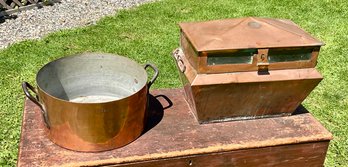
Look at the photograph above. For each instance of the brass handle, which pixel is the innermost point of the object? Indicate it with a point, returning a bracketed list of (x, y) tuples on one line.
[(181, 64), (179, 61), (25, 86)]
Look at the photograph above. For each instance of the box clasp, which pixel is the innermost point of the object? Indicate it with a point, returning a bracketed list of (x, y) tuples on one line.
[(262, 61)]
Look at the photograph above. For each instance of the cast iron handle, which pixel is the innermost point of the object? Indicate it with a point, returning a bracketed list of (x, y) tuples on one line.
[(155, 69), (25, 86)]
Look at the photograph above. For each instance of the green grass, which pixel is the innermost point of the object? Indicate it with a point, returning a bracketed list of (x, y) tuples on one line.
[(150, 32)]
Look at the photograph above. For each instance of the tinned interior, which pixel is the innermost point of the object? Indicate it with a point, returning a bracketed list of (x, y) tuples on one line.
[(91, 78)]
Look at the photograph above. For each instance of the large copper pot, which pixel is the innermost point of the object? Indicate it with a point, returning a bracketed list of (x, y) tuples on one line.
[(92, 102)]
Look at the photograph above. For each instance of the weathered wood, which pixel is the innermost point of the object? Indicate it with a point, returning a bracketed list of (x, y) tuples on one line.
[(4, 4), (33, 4), (174, 138), (17, 2), (285, 155)]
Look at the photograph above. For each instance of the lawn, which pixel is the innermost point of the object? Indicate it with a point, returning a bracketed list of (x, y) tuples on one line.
[(150, 32)]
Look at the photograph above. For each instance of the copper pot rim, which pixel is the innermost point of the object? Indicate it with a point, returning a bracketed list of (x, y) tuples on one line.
[(91, 103), (88, 103)]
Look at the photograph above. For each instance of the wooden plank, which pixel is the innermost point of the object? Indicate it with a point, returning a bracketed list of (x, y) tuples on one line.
[(173, 133), (306, 154), (17, 2), (4, 4)]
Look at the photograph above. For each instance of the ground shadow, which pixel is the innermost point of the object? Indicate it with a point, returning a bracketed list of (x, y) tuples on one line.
[(4, 18), (300, 110), (155, 111), (10, 14)]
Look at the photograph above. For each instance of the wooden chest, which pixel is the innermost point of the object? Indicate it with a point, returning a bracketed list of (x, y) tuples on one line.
[(174, 138), (246, 68)]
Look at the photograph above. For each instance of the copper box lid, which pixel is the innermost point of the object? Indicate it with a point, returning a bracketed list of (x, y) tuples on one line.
[(248, 44), (244, 33)]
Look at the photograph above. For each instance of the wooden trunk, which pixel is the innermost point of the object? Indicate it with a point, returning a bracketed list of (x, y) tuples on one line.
[(173, 138)]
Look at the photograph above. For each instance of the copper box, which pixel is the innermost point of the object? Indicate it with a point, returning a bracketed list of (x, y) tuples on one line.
[(246, 68)]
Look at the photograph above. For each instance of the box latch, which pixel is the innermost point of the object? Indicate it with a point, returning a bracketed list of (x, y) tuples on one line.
[(262, 61)]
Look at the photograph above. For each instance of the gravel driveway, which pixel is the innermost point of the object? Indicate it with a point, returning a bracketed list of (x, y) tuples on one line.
[(35, 23)]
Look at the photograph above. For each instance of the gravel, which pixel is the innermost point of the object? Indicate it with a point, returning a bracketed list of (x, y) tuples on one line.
[(36, 23)]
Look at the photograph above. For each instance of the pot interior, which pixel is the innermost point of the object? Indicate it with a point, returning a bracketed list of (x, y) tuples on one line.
[(91, 78)]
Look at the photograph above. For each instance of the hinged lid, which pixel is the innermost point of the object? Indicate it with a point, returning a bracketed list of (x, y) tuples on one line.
[(244, 33)]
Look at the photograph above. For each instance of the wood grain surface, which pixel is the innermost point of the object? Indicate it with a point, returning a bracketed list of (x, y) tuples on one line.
[(173, 137)]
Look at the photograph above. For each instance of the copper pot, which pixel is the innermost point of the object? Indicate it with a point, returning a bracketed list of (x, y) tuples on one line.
[(92, 102)]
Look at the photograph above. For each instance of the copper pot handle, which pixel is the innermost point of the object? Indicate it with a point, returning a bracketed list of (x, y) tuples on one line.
[(25, 86), (155, 69)]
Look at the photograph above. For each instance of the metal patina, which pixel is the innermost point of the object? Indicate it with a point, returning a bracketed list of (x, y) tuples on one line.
[(246, 68), (93, 101)]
